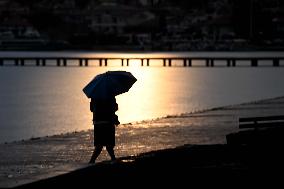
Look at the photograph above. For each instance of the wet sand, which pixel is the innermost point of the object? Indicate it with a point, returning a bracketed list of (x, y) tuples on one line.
[(150, 150)]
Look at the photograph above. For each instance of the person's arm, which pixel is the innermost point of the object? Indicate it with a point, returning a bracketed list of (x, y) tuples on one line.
[(115, 107), (92, 105), (115, 120)]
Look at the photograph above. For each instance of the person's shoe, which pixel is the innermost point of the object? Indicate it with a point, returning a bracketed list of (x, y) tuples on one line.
[(92, 162), (113, 161)]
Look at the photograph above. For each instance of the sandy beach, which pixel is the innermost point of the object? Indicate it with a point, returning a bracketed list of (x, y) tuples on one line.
[(171, 154)]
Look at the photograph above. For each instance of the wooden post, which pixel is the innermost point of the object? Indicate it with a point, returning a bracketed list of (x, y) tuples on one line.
[(142, 61), (170, 62), (64, 62), (43, 62), (106, 62), (86, 62), (127, 62), (100, 62), (16, 62), (22, 61), (212, 62), (276, 62), (184, 62), (58, 61), (37, 62), (189, 62), (164, 62), (254, 62), (207, 62), (228, 62), (233, 62), (80, 62), (122, 60), (148, 62)]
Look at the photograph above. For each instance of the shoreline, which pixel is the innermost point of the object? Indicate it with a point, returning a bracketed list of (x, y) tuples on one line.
[(29, 161)]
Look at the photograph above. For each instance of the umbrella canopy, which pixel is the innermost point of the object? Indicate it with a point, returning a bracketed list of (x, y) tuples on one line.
[(108, 84)]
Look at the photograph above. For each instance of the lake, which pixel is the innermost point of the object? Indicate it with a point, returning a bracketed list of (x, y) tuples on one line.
[(40, 101)]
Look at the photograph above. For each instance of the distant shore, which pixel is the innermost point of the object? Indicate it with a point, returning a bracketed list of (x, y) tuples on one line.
[(133, 50)]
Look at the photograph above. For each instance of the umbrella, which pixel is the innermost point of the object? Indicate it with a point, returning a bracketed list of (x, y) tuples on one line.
[(108, 84)]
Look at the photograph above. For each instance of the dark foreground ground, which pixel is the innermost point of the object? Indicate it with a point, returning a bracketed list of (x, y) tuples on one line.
[(187, 165)]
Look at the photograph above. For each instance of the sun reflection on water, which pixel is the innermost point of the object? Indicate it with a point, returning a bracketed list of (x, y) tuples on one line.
[(146, 98)]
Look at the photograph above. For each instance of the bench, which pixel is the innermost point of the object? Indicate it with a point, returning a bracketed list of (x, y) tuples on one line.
[(258, 131), (261, 122)]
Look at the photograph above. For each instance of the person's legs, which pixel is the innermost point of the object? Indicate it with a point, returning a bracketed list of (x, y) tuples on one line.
[(96, 153), (111, 152)]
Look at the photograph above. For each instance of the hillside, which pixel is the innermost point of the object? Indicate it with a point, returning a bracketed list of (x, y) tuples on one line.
[(157, 25)]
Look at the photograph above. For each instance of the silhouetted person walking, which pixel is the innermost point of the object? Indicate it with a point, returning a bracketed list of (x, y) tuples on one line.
[(102, 90), (105, 121)]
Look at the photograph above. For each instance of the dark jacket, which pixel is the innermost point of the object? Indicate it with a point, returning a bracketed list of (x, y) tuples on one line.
[(104, 110)]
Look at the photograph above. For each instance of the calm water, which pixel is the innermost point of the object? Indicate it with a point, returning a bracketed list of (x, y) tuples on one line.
[(40, 101)]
